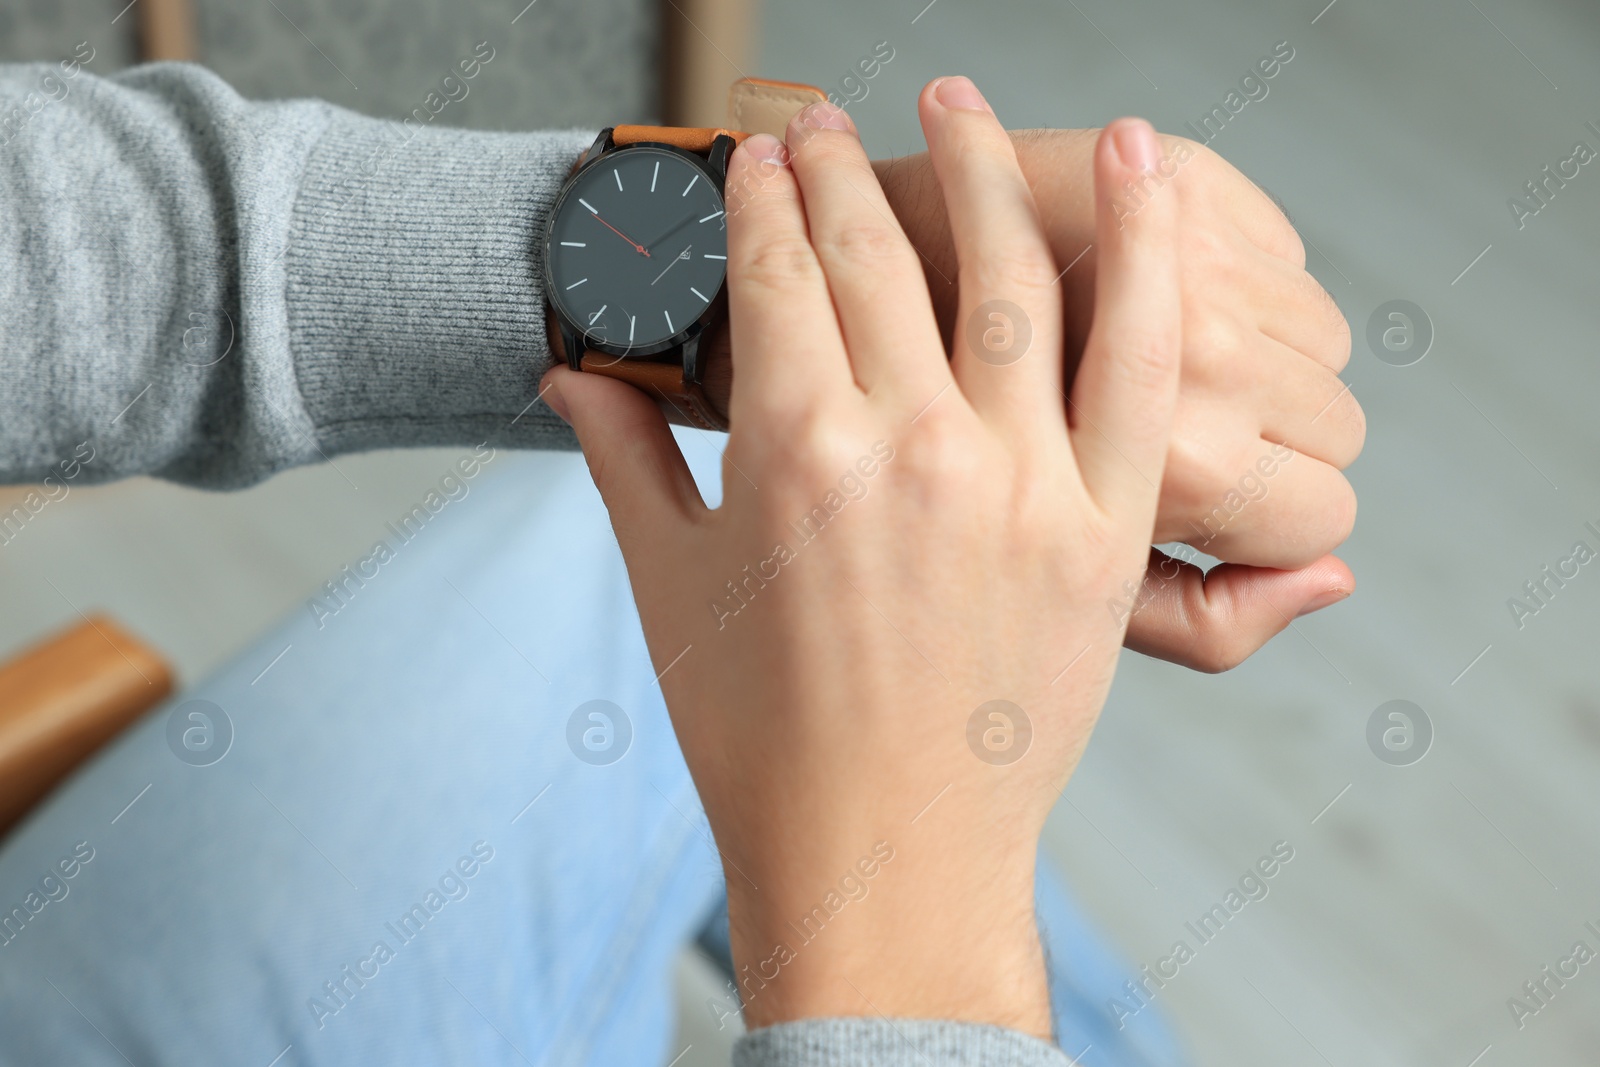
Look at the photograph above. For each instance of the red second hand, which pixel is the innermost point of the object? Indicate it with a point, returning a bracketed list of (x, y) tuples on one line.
[(637, 247)]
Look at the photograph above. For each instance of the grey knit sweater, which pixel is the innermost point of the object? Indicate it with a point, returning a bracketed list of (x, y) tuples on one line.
[(211, 290)]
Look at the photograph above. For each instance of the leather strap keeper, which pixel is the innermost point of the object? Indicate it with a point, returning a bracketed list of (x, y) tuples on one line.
[(761, 105)]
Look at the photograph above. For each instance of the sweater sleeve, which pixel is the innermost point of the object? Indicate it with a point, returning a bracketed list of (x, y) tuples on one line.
[(210, 290), (869, 1042)]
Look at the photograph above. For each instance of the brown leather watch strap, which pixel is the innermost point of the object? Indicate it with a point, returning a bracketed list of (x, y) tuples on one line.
[(688, 138), (763, 105), (684, 402)]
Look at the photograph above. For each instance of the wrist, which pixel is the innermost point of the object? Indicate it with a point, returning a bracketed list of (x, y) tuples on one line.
[(914, 939)]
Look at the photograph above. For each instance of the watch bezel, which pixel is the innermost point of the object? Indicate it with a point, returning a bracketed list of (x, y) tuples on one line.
[(569, 327)]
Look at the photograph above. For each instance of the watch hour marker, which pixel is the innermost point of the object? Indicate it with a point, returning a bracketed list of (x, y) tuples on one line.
[(630, 329), (654, 175), (597, 314), (708, 255), (686, 188), (711, 216), (574, 244), (698, 293), (588, 205), (617, 176), (671, 327), (577, 283)]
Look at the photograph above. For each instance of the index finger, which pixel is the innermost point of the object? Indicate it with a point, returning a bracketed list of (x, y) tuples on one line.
[(787, 348)]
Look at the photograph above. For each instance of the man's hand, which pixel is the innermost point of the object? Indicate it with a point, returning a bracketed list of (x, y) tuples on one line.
[(1264, 425), (927, 559)]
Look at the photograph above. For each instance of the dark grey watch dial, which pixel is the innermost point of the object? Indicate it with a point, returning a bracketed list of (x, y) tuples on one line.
[(637, 249)]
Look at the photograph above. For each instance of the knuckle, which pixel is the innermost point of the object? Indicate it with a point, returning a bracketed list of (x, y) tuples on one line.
[(1284, 240), (1324, 331), (1014, 266), (1220, 644), (1341, 513), (1355, 422), (815, 445), (938, 455), (1343, 421), (753, 188), (777, 263), (870, 245), (1339, 335), (1211, 339), (827, 148), (1277, 235)]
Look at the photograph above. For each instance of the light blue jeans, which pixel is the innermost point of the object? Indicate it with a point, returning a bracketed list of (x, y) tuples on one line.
[(410, 850)]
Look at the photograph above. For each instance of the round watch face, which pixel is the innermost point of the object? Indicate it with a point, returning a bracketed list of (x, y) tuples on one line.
[(637, 249)]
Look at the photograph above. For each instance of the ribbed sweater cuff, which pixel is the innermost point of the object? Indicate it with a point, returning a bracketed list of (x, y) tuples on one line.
[(898, 1043), (414, 293)]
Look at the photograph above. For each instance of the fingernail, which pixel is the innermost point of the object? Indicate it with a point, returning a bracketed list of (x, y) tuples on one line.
[(959, 92), (823, 115), (1136, 144), (558, 403), (1332, 596), (765, 148)]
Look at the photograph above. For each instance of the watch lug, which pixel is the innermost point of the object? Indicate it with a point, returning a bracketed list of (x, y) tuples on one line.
[(721, 148), (602, 144), (693, 368), (572, 343)]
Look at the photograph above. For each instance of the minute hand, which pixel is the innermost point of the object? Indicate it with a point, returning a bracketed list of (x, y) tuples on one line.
[(680, 224), (681, 255)]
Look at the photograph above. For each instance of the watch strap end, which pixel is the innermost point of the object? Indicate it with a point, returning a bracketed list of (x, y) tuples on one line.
[(763, 105)]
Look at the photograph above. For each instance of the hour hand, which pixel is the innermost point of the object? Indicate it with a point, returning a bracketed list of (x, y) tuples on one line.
[(674, 228)]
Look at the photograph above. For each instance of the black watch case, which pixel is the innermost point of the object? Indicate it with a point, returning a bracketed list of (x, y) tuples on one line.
[(564, 256)]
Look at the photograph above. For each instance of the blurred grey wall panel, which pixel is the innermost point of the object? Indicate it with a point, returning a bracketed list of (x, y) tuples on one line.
[(561, 63), (557, 63), (44, 30)]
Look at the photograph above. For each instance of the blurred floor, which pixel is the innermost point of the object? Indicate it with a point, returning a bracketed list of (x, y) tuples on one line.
[(1420, 898)]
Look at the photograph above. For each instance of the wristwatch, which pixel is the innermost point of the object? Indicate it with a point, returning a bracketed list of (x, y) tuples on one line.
[(636, 250)]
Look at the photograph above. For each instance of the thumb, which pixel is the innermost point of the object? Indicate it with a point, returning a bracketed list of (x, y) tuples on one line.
[(1214, 620), (633, 458), (1127, 384)]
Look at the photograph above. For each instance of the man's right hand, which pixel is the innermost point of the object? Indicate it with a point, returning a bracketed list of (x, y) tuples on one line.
[(1262, 347)]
